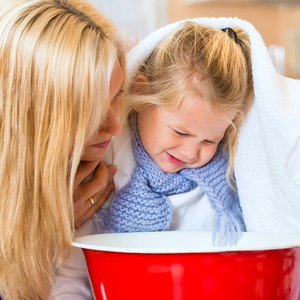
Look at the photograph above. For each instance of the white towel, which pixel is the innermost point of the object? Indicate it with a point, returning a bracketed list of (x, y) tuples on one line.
[(267, 163)]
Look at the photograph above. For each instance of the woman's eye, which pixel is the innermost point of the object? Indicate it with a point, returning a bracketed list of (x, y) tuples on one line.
[(117, 96), (119, 93)]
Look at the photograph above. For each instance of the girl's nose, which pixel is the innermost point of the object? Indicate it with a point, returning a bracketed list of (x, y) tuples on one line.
[(190, 152)]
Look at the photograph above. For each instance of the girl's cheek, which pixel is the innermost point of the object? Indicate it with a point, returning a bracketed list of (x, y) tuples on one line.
[(209, 152)]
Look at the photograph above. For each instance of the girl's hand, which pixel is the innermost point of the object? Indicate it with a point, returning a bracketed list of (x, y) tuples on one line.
[(90, 194)]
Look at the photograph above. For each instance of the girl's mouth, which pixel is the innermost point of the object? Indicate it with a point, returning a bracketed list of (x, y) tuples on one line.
[(174, 160)]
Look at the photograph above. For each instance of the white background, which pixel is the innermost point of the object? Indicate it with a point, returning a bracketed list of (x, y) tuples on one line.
[(136, 18)]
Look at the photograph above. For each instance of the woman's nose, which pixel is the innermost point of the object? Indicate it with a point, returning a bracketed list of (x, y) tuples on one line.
[(112, 125)]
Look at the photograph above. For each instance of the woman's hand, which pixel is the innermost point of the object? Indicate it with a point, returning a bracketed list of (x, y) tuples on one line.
[(89, 195)]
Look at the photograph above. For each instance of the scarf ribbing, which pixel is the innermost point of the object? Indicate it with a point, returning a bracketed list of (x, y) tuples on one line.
[(142, 204)]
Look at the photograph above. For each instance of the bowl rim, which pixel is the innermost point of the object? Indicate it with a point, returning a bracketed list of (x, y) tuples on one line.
[(183, 242)]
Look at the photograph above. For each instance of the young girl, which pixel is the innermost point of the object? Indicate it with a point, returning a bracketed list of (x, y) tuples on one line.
[(185, 107)]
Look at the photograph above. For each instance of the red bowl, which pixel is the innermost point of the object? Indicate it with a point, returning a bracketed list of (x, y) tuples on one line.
[(176, 265)]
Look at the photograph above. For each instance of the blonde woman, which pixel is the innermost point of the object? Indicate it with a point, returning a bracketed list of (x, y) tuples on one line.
[(61, 78)]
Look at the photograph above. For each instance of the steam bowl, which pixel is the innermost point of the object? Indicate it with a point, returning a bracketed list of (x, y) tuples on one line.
[(178, 265)]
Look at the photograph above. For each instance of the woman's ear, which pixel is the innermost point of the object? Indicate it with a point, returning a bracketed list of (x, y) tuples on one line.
[(140, 85)]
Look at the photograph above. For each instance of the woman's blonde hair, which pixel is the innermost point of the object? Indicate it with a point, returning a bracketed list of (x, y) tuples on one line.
[(194, 55), (56, 59)]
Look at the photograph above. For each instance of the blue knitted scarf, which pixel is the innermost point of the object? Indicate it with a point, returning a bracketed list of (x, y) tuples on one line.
[(142, 204)]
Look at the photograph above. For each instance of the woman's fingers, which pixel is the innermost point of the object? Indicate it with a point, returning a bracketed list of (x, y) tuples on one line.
[(84, 170), (95, 202), (102, 177), (90, 196)]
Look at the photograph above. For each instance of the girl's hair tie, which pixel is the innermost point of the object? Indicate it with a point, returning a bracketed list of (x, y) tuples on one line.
[(231, 33)]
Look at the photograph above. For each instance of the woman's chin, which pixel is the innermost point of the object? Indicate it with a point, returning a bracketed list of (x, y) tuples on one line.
[(93, 154)]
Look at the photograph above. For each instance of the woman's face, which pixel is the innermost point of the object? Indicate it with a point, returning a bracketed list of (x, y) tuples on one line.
[(95, 147)]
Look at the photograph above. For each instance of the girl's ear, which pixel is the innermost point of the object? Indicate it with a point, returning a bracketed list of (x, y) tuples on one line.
[(140, 85)]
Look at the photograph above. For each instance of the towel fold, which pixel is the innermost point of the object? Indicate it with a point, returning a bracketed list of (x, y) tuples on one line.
[(267, 164)]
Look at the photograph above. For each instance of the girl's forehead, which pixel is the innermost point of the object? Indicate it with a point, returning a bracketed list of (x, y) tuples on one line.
[(196, 108)]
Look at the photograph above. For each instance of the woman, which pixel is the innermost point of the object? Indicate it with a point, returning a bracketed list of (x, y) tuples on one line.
[(61, 78)]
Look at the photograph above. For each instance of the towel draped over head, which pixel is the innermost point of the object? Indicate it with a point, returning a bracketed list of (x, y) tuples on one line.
[(267, 162)]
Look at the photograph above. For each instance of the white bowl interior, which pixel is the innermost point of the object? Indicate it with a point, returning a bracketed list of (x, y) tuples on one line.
[(183, 242)]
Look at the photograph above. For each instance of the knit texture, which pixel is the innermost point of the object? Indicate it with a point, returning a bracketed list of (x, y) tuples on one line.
[(142, 204)]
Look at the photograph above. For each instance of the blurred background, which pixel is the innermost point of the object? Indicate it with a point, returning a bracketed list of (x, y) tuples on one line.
[(278, 21)]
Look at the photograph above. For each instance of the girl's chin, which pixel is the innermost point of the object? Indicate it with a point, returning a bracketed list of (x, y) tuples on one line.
[(171, 169)]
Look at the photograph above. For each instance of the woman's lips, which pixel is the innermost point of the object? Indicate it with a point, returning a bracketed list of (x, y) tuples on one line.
[(102, 145), (174, 160)]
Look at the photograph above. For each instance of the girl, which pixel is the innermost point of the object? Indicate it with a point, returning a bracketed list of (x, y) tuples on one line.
[(185, 107), (61, 78)]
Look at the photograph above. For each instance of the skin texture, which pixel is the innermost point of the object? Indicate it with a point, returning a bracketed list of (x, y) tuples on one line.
[(100, 185), (184, 137)]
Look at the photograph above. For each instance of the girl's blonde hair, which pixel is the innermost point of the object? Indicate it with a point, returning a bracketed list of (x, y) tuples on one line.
[(56, 59), (196, 55)]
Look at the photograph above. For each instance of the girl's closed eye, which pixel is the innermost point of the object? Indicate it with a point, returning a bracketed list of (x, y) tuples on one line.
[(210, 142), (179, 133)]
